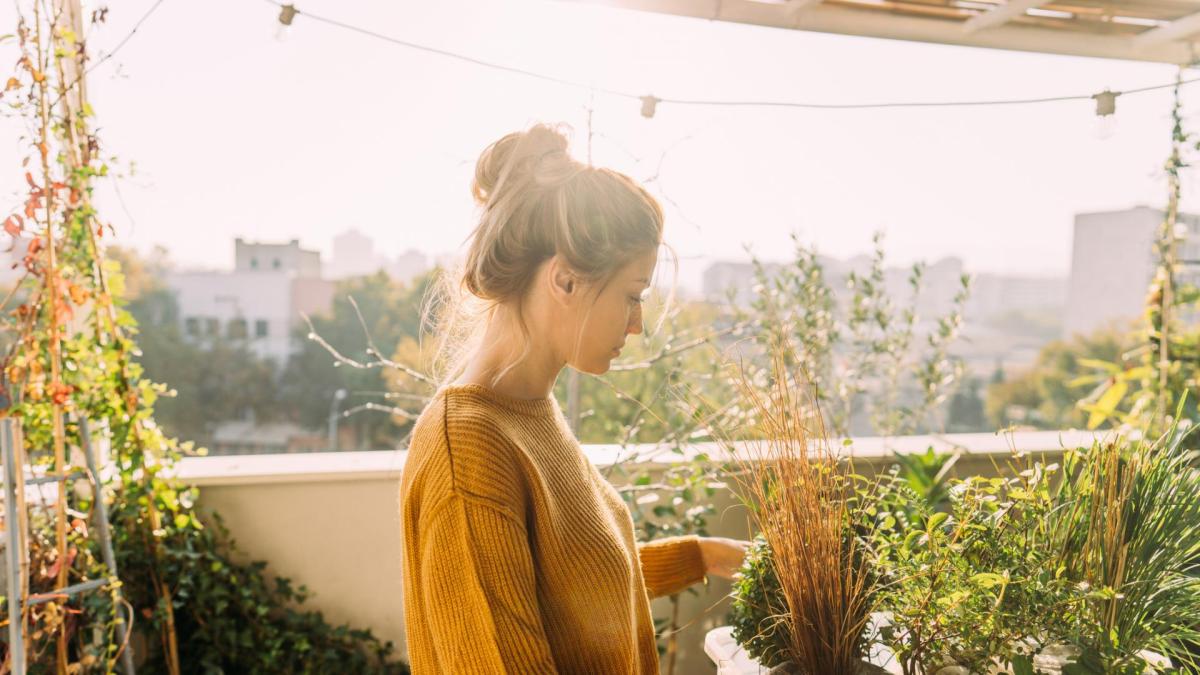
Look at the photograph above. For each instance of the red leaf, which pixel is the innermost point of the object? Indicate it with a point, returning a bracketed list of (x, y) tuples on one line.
[(79, 294), (29, 179), (52, 571), (11, 226), (61, 394)]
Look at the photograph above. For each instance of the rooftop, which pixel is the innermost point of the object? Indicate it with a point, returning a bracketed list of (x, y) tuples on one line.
[(1163, 31)]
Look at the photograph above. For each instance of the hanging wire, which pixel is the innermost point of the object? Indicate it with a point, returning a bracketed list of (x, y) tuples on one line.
[(127, 37), (650, 103)]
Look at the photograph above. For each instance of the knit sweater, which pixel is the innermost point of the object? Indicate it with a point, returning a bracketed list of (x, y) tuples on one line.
[(519, 557)]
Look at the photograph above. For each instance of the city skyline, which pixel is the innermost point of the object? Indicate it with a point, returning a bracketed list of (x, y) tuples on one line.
[(327, 131)]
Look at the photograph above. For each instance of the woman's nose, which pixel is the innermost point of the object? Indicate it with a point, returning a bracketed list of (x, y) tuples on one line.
[(638, 325)]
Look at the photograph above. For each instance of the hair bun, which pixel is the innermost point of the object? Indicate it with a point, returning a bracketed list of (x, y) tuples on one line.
[(515, 159)]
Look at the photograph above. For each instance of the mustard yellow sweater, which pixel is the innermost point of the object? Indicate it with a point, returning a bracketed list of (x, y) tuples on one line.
[(519, 557)]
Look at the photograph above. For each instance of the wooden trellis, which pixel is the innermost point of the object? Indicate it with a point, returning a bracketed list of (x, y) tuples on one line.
[(17, 551)]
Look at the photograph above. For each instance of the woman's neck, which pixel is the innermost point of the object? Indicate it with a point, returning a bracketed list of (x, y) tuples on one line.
[(531, 378)]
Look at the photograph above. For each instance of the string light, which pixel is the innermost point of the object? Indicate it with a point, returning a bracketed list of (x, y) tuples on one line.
[(286, 14), (649, 105), (1105, 100), (1106, 108)]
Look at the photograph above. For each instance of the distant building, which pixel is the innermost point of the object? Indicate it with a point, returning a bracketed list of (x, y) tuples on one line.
[(994, 295), (724, 278), (986, 340), (247, 437), (354, 255), (260, 302), (1112, 264), (408, 266), (257, 257)]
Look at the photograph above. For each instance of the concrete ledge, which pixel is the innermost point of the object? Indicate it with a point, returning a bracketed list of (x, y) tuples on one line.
[(317, 467)]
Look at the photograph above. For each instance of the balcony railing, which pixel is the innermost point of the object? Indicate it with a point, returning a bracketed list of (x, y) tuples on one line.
[(331, 521)]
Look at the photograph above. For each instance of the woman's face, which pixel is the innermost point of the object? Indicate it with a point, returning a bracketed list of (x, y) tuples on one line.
[(615, 314)]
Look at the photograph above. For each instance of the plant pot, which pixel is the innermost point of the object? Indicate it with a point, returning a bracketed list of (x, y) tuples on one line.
[(731, 659), (864, 668)]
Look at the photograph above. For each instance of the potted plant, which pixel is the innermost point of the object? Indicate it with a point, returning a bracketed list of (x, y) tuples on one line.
[(814, 594), (1086, 568)]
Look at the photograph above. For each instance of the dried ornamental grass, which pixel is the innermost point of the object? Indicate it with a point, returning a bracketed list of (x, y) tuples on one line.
[(802, 495)]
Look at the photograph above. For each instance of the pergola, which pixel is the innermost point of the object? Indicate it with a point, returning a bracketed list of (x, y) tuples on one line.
[(1166, 31)]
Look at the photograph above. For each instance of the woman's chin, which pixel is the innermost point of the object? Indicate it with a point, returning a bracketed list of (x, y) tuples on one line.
[(595, 368)]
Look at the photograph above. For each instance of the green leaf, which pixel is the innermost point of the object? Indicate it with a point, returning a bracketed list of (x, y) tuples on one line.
[(1086, 380), (1107, 404), (987, 579), (1022, 664), (911, 540), (936, 521), (1107, 367)]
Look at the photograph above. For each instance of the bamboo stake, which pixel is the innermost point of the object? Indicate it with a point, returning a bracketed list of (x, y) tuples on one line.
[(44, 53), (78, 156)]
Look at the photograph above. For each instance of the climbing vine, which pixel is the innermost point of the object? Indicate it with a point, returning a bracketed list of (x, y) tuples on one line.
[(70, 354)]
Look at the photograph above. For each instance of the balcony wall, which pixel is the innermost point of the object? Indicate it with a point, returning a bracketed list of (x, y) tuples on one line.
[(331, 521)]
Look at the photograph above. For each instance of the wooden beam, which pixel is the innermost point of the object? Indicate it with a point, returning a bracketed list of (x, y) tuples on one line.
[(795, 7), (1176, 30), (828, 17), (999, 15)]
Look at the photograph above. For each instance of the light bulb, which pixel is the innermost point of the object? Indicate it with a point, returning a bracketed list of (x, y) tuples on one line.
[(1106, 112), (286, 14), (649, 106)]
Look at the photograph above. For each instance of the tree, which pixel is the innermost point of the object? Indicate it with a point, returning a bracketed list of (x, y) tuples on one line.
[(965, 411), (219, 381), (1047, 395), (370, 310)]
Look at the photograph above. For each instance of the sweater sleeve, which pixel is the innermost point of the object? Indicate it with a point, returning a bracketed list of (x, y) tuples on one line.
[(480, 593), (672, 564)]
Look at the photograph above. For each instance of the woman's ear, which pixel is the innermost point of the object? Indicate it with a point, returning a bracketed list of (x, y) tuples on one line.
[(564, 284)]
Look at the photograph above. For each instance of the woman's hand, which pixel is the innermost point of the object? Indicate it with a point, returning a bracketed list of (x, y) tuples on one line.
[(723, 557)]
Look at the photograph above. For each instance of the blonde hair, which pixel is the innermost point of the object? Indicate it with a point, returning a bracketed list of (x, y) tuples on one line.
[(536, 201)]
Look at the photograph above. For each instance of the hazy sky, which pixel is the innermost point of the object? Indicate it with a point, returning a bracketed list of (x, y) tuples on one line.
[(235, 133)]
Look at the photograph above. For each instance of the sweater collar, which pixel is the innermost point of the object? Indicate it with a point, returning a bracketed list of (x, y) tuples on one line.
[(534, 407)]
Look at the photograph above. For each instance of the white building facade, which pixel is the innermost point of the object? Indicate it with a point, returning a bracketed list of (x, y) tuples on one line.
[(1112, 263), (260, 302)]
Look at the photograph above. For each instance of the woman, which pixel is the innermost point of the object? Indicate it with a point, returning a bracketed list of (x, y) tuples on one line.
[(519, 557)]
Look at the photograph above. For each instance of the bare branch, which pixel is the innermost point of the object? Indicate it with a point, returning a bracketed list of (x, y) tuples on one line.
[(391, 410), (379, 361), (667, 353)]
